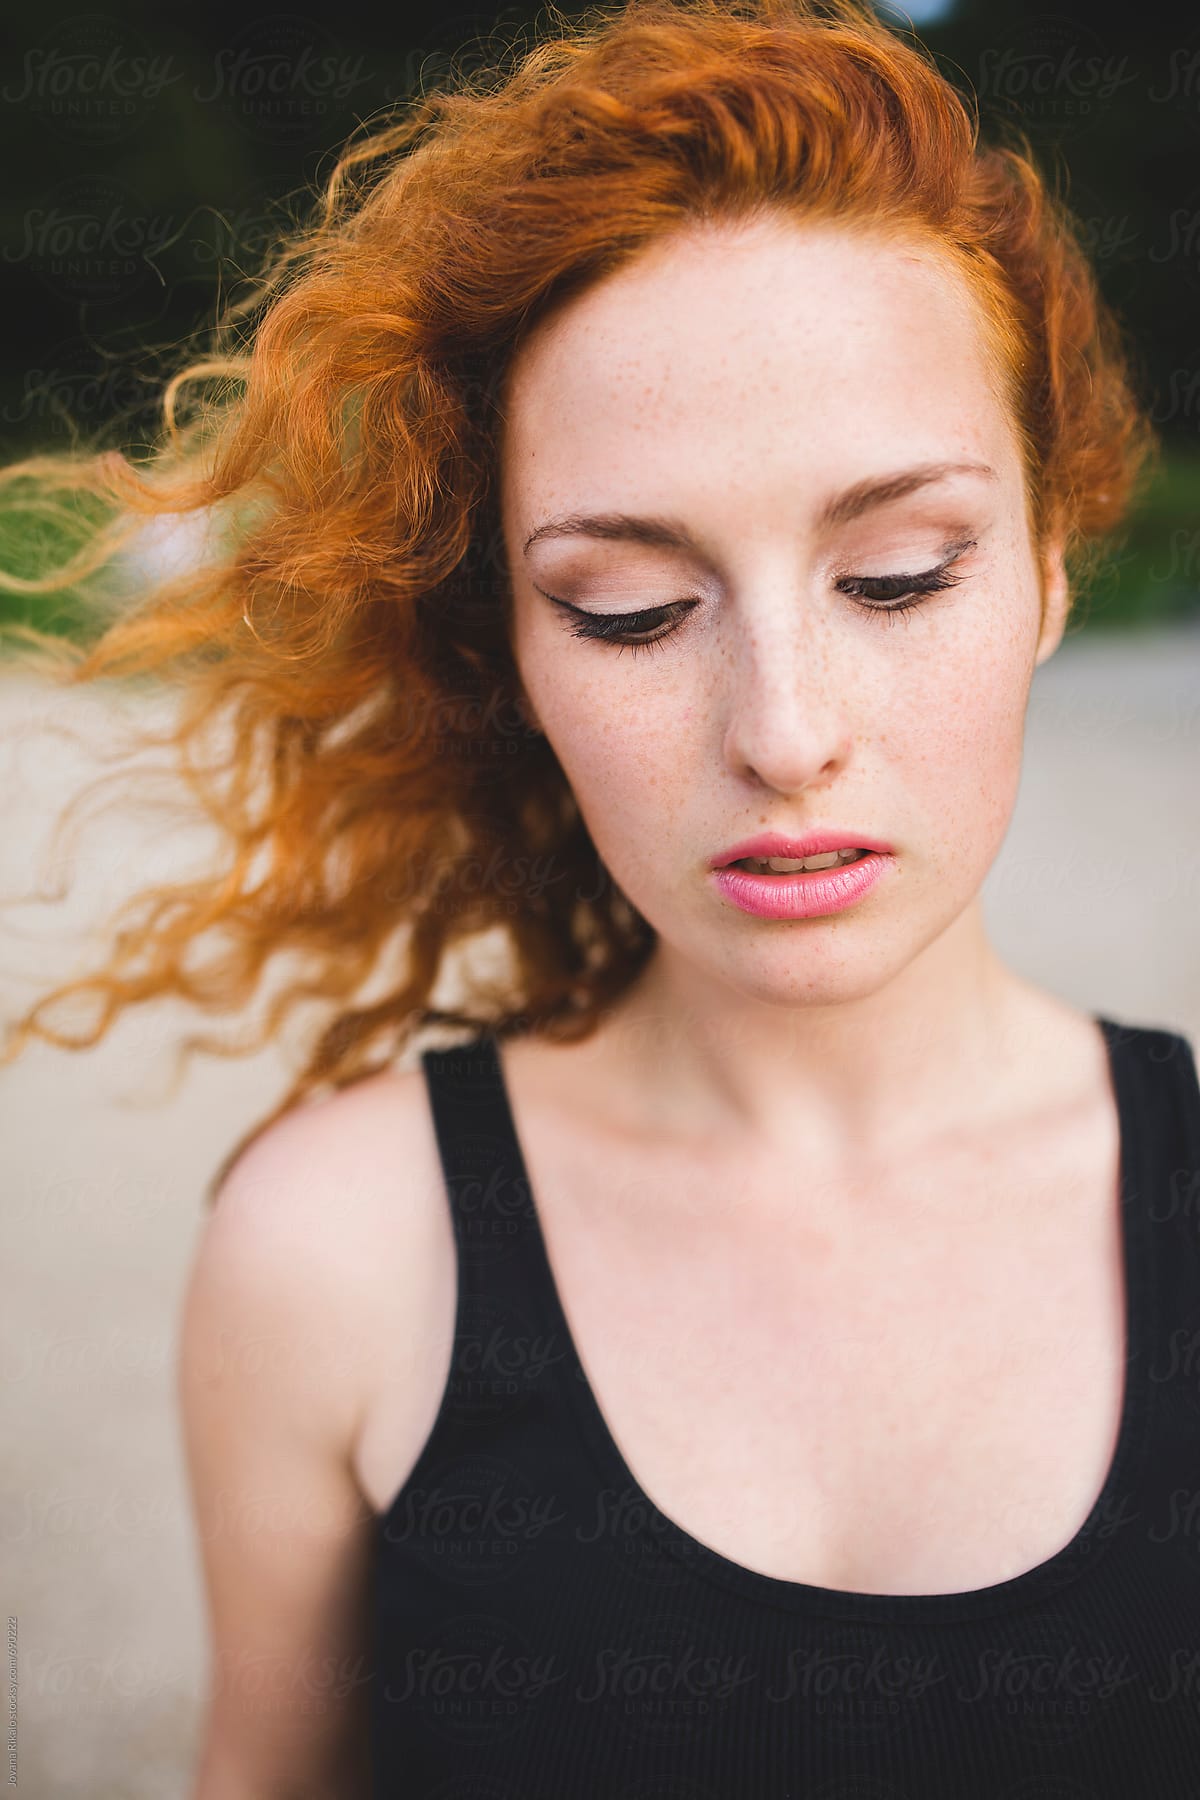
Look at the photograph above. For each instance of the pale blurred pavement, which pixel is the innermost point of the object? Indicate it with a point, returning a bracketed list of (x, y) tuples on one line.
[(1094, 896)]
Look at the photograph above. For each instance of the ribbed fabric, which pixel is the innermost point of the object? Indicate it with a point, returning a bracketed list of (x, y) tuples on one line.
[(542, 1632)]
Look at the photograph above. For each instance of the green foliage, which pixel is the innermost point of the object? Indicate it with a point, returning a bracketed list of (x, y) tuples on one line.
[(1152, 575)]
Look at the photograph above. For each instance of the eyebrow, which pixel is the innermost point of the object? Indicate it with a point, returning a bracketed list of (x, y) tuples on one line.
[(671, 534)]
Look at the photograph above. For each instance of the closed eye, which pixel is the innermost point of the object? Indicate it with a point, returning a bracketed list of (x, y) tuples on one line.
[(895, 593)]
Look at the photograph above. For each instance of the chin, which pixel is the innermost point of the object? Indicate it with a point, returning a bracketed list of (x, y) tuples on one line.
[(794, 974)]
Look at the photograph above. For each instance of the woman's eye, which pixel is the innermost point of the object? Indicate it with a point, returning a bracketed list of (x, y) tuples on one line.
[(896, 593), (628, 630)]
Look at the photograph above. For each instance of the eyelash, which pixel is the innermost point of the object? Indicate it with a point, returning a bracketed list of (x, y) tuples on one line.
[(613, 628)]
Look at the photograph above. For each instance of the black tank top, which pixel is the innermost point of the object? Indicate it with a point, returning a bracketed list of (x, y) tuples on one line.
[(540, 1631)]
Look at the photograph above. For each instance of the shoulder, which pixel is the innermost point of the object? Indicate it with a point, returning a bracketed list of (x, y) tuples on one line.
[(328, 1226), (365, 1145)]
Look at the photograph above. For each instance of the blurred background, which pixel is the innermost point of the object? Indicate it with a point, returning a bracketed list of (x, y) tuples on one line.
[(148, 158)]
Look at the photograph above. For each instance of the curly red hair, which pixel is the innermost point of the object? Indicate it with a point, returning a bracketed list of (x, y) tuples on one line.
[(342, 432)]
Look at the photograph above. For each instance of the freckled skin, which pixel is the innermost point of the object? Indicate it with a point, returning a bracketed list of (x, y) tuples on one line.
[(735, 379)]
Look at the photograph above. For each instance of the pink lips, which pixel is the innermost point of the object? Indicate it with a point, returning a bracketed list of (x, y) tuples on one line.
[(812, 843), (806, 894)]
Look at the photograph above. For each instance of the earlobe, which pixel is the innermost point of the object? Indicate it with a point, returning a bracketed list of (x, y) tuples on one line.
[(1056, 603)]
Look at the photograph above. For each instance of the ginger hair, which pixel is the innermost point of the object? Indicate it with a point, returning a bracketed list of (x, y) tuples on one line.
[(381, 798)]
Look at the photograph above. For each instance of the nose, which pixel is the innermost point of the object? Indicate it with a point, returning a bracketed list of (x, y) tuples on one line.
[(787, 713)]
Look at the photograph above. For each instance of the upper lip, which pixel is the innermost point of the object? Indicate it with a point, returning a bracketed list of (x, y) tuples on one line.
[(812, 843)]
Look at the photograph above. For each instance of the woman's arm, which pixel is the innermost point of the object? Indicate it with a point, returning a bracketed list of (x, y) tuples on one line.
[(270, 1397)]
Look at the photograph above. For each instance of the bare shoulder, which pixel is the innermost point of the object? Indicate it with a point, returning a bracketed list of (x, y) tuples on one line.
[(333, 1174), (334, 1229)]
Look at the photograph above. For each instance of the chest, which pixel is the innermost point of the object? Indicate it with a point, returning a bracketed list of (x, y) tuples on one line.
[(910, 1389)]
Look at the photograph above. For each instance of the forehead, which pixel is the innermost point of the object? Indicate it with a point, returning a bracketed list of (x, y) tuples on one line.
[(772, 345)]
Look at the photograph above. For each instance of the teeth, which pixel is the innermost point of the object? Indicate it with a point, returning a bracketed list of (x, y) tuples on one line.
[(786, 865)]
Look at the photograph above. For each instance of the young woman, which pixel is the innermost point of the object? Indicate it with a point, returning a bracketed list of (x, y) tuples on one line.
[(753, 1354)]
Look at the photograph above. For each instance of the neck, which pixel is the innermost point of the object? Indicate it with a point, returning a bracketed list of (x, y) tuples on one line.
[(872, 1074)]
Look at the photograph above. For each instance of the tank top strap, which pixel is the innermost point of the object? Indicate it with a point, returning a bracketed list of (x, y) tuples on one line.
[(513, 1353), (1156, 1077), (1159, 1091), (488, 1190)]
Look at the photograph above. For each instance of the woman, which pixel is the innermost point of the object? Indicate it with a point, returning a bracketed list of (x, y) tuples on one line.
[(749, 1356)]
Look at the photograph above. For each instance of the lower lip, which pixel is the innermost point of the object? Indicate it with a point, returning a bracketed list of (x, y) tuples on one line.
[(807, 894)]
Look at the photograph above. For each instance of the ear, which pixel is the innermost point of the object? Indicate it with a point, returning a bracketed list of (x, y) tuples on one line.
[(1056, 602)]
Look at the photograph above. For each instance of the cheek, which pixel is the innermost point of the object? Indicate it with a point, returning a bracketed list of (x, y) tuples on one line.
[(612, 741), (616, 737), (956, 739)]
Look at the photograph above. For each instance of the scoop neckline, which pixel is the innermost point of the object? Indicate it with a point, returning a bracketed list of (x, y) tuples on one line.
[(1084, 1551)]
